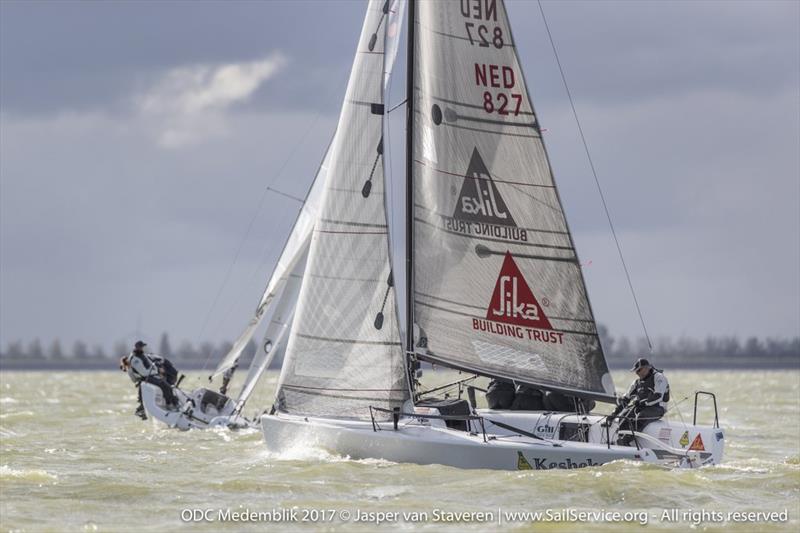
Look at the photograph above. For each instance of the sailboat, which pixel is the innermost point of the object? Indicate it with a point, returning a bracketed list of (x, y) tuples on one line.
[(202, 407), (493, 285)]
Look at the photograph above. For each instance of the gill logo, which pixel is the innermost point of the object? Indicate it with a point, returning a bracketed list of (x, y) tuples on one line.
[(513, 301)]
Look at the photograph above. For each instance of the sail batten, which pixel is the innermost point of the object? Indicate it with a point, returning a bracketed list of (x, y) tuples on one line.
[(496, 276)]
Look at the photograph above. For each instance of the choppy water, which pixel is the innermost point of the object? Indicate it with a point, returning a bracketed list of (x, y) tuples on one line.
[(74, 458)]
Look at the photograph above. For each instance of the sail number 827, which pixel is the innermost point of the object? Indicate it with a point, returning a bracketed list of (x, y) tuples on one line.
[(482, 36), (500, 103)]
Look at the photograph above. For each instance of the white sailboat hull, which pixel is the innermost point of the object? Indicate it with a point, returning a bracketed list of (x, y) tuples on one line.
[(424, 443), (193, 413)]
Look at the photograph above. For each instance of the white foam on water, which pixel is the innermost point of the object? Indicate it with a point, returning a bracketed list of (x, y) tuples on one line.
[(16, 414), (389, 491), (36, 475)]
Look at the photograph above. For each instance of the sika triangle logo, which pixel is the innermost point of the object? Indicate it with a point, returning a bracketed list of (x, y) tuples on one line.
[(479, 200), (513, 301)]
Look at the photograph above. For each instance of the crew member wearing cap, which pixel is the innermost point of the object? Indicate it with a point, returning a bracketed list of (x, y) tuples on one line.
[(143, 367), (645, 401)]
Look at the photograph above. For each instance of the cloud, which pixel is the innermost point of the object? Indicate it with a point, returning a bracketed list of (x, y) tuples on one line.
[(188, 104)]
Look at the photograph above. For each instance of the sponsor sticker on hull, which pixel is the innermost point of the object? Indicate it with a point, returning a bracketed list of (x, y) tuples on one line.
[(538, 463), (697, 444)]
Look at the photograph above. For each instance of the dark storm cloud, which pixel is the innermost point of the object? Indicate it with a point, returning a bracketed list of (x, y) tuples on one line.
[(136, 140), (84, 55)]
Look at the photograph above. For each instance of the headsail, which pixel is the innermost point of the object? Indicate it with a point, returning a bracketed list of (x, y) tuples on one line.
[(294, 251), (279, 324), (498, 288), (344, 352)]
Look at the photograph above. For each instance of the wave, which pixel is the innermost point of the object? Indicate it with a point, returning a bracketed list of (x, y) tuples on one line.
[(33, 475)]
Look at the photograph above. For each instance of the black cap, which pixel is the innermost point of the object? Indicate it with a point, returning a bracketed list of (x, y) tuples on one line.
[(639, 364), (140, 344)]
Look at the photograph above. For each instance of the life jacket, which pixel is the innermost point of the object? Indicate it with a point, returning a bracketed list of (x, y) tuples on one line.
[(146, 363), (170, 372), (647, 386)]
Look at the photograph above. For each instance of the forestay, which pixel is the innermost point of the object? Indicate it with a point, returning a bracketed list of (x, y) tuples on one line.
[(498, 288), (344, 352)]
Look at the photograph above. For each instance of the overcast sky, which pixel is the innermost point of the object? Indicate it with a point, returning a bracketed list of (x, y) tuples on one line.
[(137, 140)]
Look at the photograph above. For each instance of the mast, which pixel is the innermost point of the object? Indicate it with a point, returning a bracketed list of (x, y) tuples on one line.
[(410, 196)]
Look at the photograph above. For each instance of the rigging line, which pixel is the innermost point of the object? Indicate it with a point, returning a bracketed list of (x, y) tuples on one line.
[(596, 179), (287, 195), (396, 105), (252, 222)]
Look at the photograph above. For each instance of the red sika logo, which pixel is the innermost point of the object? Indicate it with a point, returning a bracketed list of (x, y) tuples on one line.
[(513, 302)]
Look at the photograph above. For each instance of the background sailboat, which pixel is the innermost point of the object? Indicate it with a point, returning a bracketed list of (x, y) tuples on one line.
[(204, 407)]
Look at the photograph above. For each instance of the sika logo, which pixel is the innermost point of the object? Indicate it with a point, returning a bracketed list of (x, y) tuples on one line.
[(513, 301), (480, 210), (513, 310), (480, 201)]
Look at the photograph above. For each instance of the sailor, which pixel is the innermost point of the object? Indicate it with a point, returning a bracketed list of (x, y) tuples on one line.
[(226, 377), (500, 394), (527, 398), (165, 368), (125, 366), (144, 367), (645, 401), (564, 403)]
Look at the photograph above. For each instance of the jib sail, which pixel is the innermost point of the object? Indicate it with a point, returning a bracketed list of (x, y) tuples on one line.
[(344, 353)]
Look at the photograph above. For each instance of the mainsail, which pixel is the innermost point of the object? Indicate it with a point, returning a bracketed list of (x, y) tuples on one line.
[(344, 353), (498, 288)]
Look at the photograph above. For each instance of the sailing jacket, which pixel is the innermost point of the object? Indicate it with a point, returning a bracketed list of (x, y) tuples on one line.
[(650, 391), (142, 366)]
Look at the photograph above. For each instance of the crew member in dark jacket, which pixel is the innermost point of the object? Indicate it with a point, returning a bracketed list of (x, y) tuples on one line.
[(645, 401), (150, 368)]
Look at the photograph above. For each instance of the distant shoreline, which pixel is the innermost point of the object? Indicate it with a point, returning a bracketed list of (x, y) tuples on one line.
[(93, 366)]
